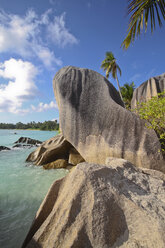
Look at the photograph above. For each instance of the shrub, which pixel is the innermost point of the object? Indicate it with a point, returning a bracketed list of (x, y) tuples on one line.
[(153, 111)]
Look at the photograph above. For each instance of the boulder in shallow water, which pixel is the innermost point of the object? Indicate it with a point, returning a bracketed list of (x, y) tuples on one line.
[(148, 89), (93, 120), (117, 205), (29, 141), (22, 146), (3, 148), (55, 148)]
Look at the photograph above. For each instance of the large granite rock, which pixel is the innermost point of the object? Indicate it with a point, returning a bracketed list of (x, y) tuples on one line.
[(148, 89), (93, 120), (51, 150), (117, 205)]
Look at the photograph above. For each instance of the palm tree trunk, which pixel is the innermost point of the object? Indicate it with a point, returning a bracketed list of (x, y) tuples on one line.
[(119, 89)]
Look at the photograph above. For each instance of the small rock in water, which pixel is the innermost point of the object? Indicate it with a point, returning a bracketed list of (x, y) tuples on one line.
[(27, 142), (4, 148), (22, 146)]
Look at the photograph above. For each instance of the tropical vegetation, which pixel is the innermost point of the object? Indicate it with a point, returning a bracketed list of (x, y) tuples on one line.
[(153, 111), (127, 92), (110, 66), (46, 125), (142, 11)]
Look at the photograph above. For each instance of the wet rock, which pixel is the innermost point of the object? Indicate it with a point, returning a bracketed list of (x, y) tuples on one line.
[(27, 140), (2, 148)]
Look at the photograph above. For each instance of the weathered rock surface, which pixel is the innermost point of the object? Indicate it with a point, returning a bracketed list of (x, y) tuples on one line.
[(75, 157), (55, 148), (93, 120), (59, 163), (29, 141), (148, 89), (99, 206), (2, 148)]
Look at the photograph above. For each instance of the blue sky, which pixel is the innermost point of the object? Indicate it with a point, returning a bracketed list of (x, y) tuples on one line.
[(37, 38)]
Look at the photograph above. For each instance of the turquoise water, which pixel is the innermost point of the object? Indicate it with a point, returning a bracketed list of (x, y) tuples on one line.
[(22, 187)]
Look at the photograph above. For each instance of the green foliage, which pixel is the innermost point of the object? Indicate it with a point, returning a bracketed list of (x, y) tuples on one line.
[(142, 10), (154, 112), (47, 125), (127, 93)]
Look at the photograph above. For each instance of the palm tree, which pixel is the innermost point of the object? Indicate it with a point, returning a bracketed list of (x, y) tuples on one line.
[(127, 93), (141, 10), (110, 66)]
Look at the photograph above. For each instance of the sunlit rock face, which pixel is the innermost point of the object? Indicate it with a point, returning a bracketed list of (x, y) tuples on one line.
[(148, 89), (112, 205), (94, 121)]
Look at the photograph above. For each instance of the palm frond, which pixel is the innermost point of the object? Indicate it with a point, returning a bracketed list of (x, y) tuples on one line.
[(141, 10)]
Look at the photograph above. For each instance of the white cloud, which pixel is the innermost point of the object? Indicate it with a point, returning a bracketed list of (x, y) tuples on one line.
[(20, 87), (47, 56), (28, 35), (44, 106), (59, 34)]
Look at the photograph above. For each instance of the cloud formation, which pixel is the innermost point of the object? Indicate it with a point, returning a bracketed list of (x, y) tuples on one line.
[(44, 106), (32, 35), (20, 87), (59, 34)]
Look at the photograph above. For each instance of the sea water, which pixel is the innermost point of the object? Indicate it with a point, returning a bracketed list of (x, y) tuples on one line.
[(23, 186)]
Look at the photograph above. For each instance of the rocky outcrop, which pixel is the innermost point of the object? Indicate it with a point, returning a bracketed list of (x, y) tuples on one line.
[(148, 89), (27, 141), (51, 150), (93, 120), (117, 205), (2, 148)]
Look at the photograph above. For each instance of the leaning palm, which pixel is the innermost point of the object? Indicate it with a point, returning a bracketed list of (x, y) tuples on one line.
[(142, 10), (110, 66)]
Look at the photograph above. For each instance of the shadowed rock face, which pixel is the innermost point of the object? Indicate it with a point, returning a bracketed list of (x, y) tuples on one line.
[(93, 120), (117, 205), (148, 89)]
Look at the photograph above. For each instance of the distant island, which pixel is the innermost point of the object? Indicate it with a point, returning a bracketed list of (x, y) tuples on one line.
[(46, 125)]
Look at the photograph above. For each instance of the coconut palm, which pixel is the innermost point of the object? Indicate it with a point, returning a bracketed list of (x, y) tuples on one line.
[(110, 66), (127, 93), (141, 11)]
